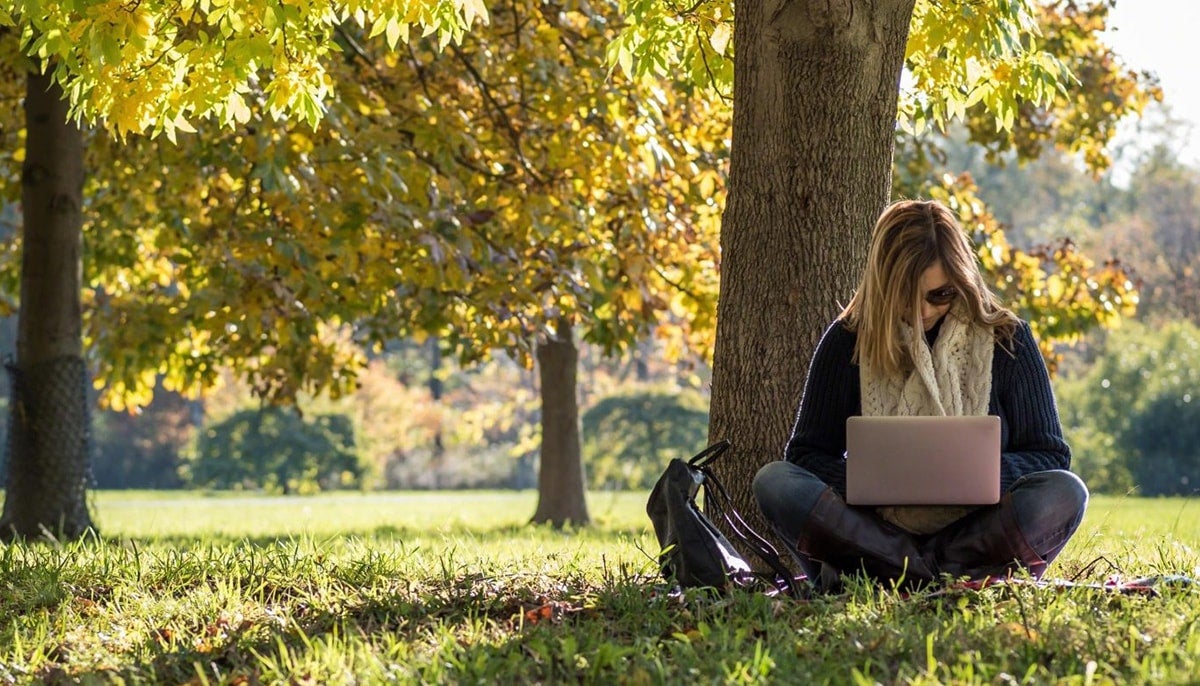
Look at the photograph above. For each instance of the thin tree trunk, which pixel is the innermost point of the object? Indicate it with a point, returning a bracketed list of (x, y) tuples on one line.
[(561, 498), (641, 360), (48, 444), (437, 460), (815, 92)]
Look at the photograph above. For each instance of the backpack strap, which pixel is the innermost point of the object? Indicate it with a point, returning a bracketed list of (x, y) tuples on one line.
[(705, 457), (717, 497)]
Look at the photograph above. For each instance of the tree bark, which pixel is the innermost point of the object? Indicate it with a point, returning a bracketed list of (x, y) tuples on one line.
[(48, 444), (815, 93), (561, 498)]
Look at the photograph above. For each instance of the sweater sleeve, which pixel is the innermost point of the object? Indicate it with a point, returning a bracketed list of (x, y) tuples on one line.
[(818, 441), (1035, 441)]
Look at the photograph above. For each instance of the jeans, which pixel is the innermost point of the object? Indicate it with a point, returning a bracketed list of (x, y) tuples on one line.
[(1026, 530)]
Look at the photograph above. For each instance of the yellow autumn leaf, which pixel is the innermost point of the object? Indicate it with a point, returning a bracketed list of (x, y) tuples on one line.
[(720, 37)]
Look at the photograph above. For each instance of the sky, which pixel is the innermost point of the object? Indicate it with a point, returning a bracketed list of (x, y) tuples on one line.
[(1163, 36)]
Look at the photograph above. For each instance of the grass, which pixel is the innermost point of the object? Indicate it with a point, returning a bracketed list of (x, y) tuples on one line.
[(455, 588)]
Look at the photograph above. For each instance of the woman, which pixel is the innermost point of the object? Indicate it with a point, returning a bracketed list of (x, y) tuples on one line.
[(923, 335)]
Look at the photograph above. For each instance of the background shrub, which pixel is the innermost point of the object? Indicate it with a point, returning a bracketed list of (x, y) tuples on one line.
[(629, 438), (276, 450), (1133, 417)]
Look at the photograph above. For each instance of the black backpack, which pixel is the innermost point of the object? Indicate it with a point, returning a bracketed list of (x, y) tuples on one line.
[(694, 552)]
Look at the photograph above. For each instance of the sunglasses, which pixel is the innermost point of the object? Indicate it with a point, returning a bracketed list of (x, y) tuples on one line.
[(941, 296)]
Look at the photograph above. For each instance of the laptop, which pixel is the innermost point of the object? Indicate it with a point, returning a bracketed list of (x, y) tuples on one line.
[(923, 460)]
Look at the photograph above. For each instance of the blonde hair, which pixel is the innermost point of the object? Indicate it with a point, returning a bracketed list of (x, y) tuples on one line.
[(910, 237)]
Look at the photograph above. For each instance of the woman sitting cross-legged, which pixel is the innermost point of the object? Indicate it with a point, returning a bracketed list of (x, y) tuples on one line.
[(923, 335)]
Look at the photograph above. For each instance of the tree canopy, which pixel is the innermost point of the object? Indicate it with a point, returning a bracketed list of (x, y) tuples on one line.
[(960, 54), (158, 65), (475, 192), (479, 189)]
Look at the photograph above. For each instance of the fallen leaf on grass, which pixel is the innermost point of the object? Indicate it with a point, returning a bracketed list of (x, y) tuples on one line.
[(164, 636), (85, 606), (552, 611), (543, 613), (1020, 630), (692, 635)]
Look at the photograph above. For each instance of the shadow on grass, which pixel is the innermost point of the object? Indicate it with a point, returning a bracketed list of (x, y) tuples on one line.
[(531, 619), (481, 534), (530, 628)]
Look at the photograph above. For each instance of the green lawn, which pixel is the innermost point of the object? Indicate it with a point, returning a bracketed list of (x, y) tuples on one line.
[(455, 588)]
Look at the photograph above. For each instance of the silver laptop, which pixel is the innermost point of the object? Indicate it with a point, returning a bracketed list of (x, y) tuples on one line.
[(923, 460)]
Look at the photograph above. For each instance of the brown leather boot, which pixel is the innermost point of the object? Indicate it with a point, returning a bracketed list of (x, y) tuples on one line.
[(850, 539), (985, 543)]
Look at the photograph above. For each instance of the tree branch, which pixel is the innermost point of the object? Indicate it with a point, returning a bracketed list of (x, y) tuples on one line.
[(500, 114)]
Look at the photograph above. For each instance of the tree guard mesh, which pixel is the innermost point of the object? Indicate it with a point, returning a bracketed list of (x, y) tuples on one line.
[(48, 451)]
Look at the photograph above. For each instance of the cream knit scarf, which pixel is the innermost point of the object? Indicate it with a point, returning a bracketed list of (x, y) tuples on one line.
[(952, 379)]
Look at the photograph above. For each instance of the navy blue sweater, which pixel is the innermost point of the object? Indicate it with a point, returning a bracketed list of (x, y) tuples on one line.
[(1030, 434)]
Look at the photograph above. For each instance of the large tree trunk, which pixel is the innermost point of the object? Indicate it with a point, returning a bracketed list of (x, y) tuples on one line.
[(815, 91), (561, 497), (50, 421)]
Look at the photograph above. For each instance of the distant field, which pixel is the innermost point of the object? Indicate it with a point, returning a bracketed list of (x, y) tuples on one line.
[(151, 513), (169, 513), (454, 587), (1131, 529)]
